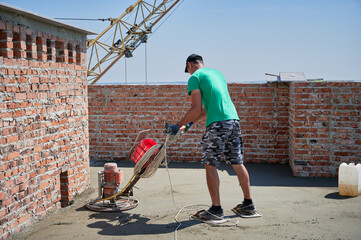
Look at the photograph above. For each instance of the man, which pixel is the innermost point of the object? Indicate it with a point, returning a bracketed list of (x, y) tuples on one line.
[(211, 101)]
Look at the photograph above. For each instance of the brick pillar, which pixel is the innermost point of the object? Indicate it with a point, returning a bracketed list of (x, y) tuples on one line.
[(31, 47), (71, 53), (65, 184), (6, 44), (50, 50), (80, 54), (19, 41), (61, 52), (41, 48)]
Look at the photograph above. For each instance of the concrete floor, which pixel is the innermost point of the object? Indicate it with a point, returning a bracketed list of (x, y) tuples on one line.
[(292, 208)]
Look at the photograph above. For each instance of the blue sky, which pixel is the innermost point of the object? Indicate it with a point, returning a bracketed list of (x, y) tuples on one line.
[(242, 38)]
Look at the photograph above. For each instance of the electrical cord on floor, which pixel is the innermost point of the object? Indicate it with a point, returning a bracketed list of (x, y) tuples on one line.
[(190, 207), (147, 166)]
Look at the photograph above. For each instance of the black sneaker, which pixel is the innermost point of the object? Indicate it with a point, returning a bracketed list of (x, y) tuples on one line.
[(218, 213), (246, 211), (209, 216)]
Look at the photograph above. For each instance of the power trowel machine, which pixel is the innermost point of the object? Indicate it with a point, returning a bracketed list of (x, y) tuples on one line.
[(147, 155)]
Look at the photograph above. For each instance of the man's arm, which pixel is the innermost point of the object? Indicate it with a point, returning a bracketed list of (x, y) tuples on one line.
[(203, 115), (196, 112)]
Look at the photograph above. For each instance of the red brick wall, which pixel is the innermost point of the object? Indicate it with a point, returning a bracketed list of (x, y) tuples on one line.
[(44, 159), (312, 126), (325, 127), (118, 112), (263, 112)]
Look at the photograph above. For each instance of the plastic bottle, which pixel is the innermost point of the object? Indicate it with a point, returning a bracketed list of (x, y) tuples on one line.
[(349, 179)]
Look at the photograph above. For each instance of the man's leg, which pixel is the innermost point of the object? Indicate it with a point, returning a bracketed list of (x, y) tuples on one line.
[(243, 179), (214, 214), (213, 184), (246, 209)]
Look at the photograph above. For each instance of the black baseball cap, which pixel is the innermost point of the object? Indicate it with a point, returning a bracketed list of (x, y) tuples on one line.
[(192, 58)]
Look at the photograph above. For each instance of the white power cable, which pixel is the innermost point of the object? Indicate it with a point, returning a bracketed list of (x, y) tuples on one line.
[(153, 164), (190, 207)]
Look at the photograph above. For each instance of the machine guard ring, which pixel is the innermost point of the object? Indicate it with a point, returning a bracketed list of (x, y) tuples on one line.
[(123, 203)]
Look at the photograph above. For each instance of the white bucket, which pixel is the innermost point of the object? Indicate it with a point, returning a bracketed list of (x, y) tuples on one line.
[(349, 179)]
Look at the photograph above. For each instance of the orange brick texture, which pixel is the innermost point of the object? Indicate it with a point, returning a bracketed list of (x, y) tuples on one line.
[(118, 113), (311, 126), (44, 146), (325, 127)]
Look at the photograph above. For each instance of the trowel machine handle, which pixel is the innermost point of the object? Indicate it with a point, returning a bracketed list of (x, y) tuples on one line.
[(169, 127)]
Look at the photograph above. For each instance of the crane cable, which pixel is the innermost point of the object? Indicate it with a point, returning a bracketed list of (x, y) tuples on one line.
[(145, 63), (166, 18), (146, 58), (125, 70), (107, 19)]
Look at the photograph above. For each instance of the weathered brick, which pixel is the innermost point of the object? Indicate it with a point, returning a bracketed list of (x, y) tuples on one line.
[(12, 139), (13, 155), (34, 103), (20, 96)]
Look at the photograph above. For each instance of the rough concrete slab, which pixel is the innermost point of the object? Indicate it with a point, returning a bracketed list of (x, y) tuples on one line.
[(292, 208)]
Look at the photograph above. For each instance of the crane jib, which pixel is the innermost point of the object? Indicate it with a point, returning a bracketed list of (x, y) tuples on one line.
[(125, 34)]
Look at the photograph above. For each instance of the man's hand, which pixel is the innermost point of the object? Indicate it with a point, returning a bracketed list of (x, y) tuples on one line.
[(174, 129), (188, 126)]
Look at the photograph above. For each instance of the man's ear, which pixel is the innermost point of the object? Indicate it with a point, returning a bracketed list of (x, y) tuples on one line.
[(189, 65)]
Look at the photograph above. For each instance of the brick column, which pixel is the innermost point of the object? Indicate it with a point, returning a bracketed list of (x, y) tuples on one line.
[(50, 50), (19, 41), (71, 53), (61, 52), (80, 54), (324, 127), (6, 44), (41, 48), (31, 47)]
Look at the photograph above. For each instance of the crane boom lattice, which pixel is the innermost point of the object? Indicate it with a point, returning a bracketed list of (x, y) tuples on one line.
[(124, 35)]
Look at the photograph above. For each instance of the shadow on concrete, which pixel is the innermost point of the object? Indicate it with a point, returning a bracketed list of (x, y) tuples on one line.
[(281, 175), (129, 224), (336, 196), (126, 224), (261, 174)]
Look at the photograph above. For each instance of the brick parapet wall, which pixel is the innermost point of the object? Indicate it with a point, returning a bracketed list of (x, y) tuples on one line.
[(20, 42), (312, 126), (43, 126), (263, 113), (118, 112), (325, 127)]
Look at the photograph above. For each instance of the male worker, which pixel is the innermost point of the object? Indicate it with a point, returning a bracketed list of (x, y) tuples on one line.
[(222, 135)]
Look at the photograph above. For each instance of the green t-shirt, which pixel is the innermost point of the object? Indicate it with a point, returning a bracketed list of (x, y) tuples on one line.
[(215, 96)]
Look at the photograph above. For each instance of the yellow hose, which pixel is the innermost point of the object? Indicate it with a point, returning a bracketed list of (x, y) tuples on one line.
[(152, 166), (104, 199)]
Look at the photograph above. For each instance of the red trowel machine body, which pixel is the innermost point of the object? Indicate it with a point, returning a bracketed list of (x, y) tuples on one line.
[(146, 155), (110, 179), (142, 147)]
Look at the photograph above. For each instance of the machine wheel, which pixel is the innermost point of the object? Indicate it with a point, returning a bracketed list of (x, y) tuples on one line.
[(123, 203)]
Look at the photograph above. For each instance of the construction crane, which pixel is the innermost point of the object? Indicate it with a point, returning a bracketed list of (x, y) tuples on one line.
[(126, 33)]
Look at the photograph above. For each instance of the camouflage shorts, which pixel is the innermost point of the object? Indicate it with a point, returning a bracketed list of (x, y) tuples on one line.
[(223, 137)]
